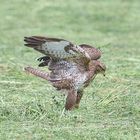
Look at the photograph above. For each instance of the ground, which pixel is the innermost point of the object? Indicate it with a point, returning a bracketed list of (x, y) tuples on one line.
[(30, 108)]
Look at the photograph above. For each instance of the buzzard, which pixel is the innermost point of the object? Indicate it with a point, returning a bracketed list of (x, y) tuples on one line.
[(72, 67)]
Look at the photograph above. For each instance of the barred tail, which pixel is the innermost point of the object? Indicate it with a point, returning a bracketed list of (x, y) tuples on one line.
[(37, 72)]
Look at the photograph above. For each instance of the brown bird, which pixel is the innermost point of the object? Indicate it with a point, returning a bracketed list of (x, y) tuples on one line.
[(72, 67)]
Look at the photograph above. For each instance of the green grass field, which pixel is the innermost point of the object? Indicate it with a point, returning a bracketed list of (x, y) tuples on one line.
[(30, 108)]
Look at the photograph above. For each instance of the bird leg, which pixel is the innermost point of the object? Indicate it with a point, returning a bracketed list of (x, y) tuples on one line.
[(78, 99), (37, 72), (45, 59), (71, 99), (44, 63)]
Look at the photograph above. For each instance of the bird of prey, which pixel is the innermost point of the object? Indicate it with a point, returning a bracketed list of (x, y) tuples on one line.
[(72, 67)]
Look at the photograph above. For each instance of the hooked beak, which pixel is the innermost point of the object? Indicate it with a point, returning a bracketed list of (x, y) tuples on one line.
[(103, 73)]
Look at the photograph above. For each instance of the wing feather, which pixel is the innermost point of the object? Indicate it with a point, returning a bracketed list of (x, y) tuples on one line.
[(55, 48), (93, 52)]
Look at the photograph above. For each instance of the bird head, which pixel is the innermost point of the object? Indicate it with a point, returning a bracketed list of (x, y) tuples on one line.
[(99, 67)]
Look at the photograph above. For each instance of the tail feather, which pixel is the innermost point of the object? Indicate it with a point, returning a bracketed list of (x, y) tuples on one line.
[(37, 73)]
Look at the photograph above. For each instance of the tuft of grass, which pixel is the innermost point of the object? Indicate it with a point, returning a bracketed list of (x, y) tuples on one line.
[(30, 108)]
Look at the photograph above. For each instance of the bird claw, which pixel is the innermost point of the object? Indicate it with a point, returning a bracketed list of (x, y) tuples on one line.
[(42, 64), (39, 59), (44, 58)]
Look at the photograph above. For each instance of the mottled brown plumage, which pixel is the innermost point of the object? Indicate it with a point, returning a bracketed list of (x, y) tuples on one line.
[(72, 67)]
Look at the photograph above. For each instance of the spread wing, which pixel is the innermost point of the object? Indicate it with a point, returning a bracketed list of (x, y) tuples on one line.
[(56, 48), (64, 58)]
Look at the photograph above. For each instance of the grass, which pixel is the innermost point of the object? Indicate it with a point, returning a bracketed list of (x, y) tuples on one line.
[(30, 107)]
